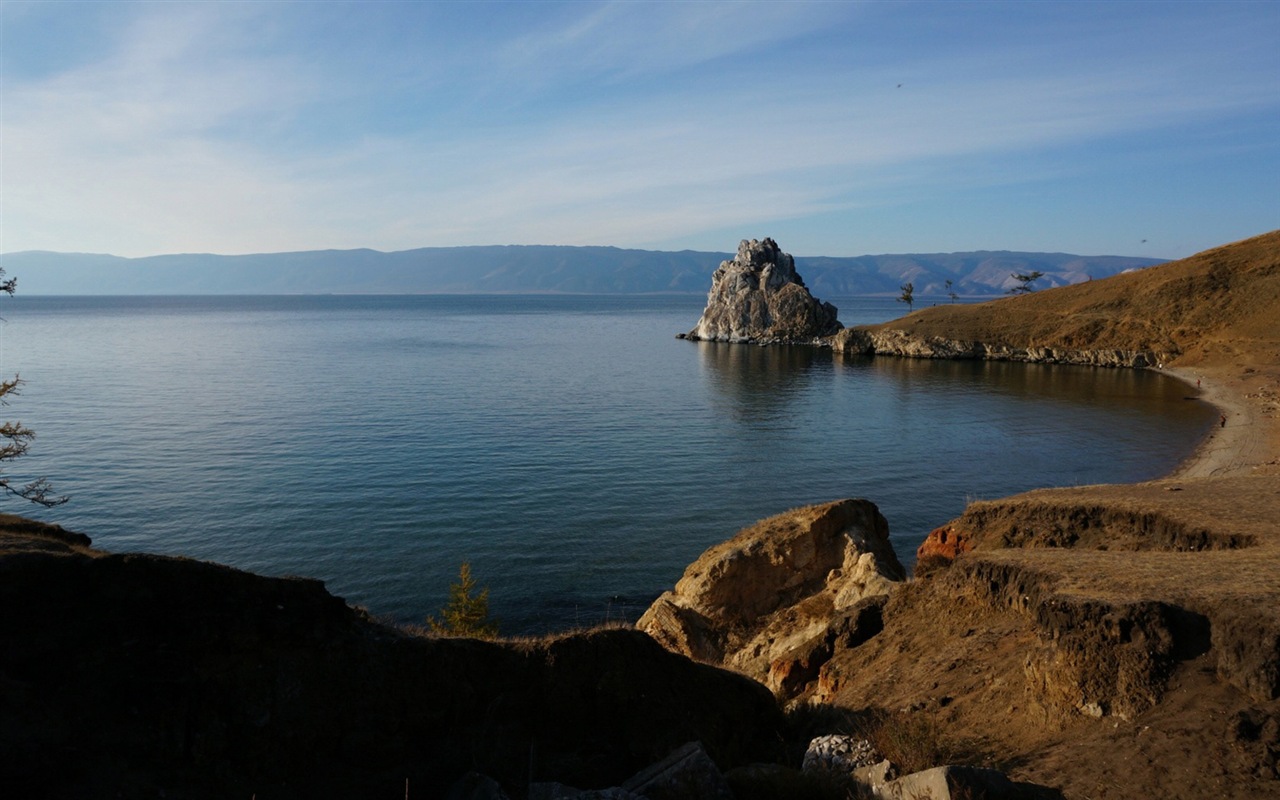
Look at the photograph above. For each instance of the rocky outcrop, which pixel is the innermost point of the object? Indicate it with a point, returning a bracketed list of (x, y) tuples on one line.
[(777, 599), (144, 676), (861, 341), (945, 542), (759, 297)]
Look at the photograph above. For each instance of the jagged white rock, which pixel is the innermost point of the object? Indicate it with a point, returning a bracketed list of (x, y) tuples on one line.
[(759, 297)]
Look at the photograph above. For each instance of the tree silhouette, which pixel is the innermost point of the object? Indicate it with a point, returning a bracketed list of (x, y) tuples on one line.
[(1024, 281), (908, 295), (16, 438)]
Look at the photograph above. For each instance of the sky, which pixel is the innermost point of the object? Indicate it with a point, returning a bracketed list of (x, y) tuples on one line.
[(837, 128)]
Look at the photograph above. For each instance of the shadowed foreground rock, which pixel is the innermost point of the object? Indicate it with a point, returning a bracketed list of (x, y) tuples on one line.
[(135, 675), (759, 297)]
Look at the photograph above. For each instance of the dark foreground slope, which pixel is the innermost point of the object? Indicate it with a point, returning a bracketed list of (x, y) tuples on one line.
[(143, 676)]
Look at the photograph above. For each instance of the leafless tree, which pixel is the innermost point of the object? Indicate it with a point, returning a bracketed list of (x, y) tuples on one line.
[(15, 438)]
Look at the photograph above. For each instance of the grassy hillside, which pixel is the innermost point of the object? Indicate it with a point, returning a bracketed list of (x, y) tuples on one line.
[(1224, 302)]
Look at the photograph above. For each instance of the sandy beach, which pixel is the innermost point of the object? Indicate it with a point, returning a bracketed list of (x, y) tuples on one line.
[(1249, 441)]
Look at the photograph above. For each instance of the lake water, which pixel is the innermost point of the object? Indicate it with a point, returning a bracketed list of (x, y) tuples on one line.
[(570, 448)]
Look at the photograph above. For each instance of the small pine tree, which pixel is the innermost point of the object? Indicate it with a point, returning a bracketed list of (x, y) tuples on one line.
[(467, 612), (951, 292), (908, 295), (1024, 281)]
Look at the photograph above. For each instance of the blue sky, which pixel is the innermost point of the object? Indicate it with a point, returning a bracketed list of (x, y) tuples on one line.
[(837, 128)]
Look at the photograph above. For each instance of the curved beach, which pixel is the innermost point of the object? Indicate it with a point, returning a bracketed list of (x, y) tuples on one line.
[(1249, 441)]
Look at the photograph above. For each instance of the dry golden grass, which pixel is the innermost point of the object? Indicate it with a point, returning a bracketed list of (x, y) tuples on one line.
[(1220, 303), (1229, 508)]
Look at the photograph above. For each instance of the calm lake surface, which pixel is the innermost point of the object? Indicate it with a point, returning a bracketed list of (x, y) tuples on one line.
[(570, 448)]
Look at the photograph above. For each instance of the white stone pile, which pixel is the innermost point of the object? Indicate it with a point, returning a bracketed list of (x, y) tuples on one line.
[(837, 753)]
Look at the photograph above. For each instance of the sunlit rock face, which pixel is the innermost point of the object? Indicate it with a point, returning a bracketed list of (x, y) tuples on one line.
[(758, 297), (778, 598)]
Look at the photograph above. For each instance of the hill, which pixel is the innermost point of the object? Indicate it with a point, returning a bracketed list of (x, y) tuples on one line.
[(528, 269), (1219, 304)]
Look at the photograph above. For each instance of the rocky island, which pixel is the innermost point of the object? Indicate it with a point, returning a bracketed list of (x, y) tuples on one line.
[(1085, 642), (758, 297)]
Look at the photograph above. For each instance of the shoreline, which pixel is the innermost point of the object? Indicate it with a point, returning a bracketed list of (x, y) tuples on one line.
[(1247, 443)]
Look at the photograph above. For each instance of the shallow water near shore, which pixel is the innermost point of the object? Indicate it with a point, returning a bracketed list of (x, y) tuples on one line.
[(570, 448)]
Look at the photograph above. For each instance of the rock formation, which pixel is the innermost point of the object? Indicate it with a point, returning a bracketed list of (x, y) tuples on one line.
[(774, 601), (945, 543), (758, 297)]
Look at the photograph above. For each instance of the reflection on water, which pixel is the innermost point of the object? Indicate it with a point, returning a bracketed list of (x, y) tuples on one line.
[(920, 435), (1118, 391), (756, 382)]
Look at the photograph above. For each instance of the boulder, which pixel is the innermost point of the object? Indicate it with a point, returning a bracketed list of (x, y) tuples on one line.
[(874, 775), (786, 588), (958, 783), (759, 297), (792, 671), (688, 773)]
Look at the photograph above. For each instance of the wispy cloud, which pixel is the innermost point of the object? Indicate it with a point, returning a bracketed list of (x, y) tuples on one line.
[(207, 127)]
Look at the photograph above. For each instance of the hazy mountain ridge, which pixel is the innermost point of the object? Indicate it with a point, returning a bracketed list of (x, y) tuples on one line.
[(530, 269)]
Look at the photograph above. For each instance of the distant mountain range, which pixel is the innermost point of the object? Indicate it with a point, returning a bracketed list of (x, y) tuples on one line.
[(530, 269)]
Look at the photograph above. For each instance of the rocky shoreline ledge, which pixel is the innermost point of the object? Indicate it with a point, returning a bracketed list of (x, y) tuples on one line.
[(905, 344), (1098, 641)]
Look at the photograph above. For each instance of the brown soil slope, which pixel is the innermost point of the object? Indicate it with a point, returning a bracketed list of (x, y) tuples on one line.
[(1114, 641)]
